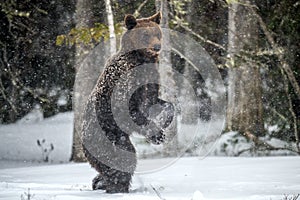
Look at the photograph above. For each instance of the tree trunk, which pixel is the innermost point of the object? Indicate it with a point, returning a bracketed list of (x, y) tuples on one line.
[(244, 111), (166, 77), (87, 69), (189, 112), (110, 21)]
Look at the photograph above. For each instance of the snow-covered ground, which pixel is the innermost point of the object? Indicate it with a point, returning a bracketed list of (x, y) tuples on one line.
[(189, 178), (22, 170), (19, 140)]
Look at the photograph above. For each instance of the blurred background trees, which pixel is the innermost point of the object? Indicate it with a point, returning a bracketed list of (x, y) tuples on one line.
[(34, 71), (255, 44)]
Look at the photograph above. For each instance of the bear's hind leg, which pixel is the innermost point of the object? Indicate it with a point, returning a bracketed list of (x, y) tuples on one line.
[(111, 180), (119, 182)]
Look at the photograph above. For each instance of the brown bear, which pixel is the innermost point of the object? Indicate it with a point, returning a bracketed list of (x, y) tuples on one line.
[(107, 147)]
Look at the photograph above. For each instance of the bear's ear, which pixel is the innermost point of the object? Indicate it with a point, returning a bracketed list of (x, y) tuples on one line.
[(156, 18), (130, 21)]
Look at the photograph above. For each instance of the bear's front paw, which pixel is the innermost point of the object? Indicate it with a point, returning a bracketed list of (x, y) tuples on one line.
[(157, 138)]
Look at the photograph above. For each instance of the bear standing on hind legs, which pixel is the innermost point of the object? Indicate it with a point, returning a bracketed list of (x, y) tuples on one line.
[(107, 147)]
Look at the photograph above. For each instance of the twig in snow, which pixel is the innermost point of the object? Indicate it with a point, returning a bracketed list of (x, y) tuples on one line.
[(45, 150), (294, 197), (157, 193), (27, 195)]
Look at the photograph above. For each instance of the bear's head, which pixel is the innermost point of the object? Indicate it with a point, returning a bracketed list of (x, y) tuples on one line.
[(143, 35)]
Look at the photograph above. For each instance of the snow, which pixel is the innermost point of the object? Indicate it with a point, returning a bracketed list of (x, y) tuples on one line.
[(231, 143), (36, 115), (23, 171), (189, 178), (19, 141)]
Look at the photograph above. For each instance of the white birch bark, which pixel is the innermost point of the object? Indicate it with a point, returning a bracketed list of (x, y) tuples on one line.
[(110, 20), (166, 77)]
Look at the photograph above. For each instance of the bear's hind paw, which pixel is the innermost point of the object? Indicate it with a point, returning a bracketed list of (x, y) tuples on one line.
[(117, 189), (99, 183)]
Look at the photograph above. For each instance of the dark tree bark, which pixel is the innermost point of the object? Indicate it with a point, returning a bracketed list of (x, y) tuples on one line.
[(88, 67), (245, 110)]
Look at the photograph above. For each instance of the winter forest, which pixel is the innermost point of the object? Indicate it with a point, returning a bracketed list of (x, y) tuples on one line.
[(228, 68)]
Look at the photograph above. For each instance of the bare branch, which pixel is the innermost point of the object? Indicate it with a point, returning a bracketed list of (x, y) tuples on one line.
[(197, 35), (19, 84), (138, 10), (2, 90), (40, 10), (284, 68), (17, 24), (286, 88), (283, 64), (202, 38), (185, 58), (280, 115)]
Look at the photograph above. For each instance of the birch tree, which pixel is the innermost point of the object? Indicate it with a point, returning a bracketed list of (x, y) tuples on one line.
[(110, 21), (166, 75)]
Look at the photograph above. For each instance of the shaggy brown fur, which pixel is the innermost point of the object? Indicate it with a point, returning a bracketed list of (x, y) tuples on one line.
[(140, 45)]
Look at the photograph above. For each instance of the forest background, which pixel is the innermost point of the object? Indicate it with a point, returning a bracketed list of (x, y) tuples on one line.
[(255, 45)]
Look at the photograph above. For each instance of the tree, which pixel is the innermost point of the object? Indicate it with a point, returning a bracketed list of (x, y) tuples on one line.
[(166, 76), (189, 110), (280, 22), (111, 27), (34, 72), (88, 67), (245, 110)]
